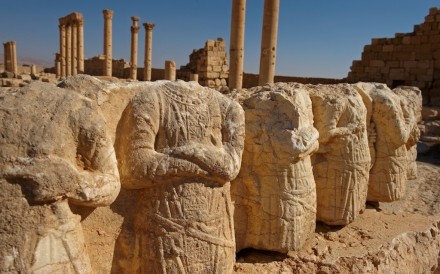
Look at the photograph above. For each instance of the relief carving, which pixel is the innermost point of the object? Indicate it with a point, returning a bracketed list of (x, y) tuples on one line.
[(54, 150), (274, 193), (342, 162), (181, 146), (392, 126)]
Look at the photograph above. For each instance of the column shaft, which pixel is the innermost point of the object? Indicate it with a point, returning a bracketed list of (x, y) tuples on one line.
[(108, 15), (269, 42), (80, 33), (74, 48), (236, 48), (68, 50), (170, 70), (14, 66), (148, 50), (134, 48), (62, 71)]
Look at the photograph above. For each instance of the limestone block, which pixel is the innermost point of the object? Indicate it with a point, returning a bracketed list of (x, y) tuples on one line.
[(411, 103), (182, 145), (342, 162), (54, 151), (274, 193), (389, 131)]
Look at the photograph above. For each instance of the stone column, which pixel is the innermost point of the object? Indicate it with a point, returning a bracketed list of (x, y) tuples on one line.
[(74, 48), (62, 59), (148, 50), (194, 77), (7, 56), (14, 66), (33, 69), (80, 47), (269, 42), (108, 15), (236, 51), (134, 47), (170, 70), (68, 50), (58, 65)]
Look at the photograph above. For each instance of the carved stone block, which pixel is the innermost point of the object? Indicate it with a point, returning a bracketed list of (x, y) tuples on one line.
[(274, 193), (389, 130), (181, 148), (54, 150), (342, 162), (411, 103)]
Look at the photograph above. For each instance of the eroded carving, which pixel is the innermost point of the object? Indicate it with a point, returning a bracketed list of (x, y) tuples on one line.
[(411, 103), (181, 147), (391, 131), (54, 150), (342, 162), (274, 193)]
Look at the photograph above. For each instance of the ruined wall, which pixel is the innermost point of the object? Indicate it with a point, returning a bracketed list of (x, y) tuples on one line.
[(411, 59), (94, 66), (210, 63)]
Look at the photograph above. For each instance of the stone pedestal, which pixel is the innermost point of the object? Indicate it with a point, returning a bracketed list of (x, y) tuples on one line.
[(108, 15), (134, 47), (236, 50), (269, 42), (148, 50)]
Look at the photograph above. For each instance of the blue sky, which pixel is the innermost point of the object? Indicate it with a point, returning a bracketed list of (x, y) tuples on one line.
[(316, 38)]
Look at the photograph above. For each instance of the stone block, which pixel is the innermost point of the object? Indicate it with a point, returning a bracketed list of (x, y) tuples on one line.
[(377, 63)]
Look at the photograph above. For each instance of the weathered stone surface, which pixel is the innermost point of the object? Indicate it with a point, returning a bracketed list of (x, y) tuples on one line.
[(341, 164), (411, 103), (181, 147), (54, 150), (397, 237), (387, 180), (274, 193)]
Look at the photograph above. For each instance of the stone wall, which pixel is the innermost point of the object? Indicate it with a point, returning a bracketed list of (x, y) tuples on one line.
[(210, 63), (94, 66), (406, 59)]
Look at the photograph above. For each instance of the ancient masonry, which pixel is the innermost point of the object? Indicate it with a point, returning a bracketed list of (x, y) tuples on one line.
[(70, 59), (411, 59), (210, 63), (10, 57)]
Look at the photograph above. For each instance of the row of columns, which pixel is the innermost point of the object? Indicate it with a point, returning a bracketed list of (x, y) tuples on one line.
[(10, 56), (71, 56), (268, 43), (108, 14)]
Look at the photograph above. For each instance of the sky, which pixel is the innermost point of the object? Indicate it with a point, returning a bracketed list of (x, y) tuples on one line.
[(316, 38)]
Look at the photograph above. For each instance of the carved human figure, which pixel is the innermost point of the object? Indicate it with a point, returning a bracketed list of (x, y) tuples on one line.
[(342, 162), (274, 193), (181, 147), (392, 128), (411, 103), (54, 150)]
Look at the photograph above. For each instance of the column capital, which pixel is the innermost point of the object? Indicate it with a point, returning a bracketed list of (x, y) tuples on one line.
[(108, 14), (135, 18), (149, 26), (134, 29), (62, 27)]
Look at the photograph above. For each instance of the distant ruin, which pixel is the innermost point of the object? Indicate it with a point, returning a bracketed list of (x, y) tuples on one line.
[(411, 59)]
